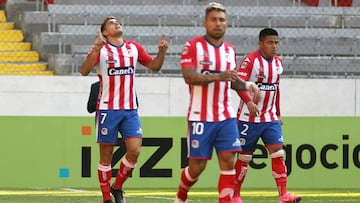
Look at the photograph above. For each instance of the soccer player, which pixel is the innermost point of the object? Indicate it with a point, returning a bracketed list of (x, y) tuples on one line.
[(115, 60), (262, 119), (208, 67)]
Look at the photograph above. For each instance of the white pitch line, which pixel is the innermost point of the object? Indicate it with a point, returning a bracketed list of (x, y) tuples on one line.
[(152, 197), (76, 190)]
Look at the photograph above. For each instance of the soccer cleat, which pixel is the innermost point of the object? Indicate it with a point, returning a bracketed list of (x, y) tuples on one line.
[(119, 195), (236, 200), (177, 200), (108, 201), (289, 198)]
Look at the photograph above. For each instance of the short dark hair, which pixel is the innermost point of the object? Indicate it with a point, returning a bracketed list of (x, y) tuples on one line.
[(214, 6), (266, 32), (106, 19)]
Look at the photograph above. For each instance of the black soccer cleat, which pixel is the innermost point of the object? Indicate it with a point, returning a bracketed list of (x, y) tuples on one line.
[(119, 195)]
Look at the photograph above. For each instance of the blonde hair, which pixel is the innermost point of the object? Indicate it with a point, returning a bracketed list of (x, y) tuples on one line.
[(214, 6)]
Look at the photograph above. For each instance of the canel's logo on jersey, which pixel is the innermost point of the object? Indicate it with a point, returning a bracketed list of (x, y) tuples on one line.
[(267, 86), (127, 70)]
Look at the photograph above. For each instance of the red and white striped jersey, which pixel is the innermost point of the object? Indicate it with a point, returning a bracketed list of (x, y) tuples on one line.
[(266, 74), (211, 102), (116, 67)]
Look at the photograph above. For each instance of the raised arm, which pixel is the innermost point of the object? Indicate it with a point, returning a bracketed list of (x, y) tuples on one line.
[(89, 62), (157, 62)]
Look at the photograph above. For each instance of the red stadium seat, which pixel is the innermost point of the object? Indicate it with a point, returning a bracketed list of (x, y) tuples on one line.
[(312, 2), (46, 2), (345, 3)]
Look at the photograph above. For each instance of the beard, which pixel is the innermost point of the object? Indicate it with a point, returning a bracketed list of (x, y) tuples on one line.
[(216, 36)]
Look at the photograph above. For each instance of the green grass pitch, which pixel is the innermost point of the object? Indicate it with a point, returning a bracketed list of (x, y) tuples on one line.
[(70, 195)]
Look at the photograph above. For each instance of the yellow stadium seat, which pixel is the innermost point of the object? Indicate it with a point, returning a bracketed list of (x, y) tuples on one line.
[(15, 46), (23, 66), (16, 56), (2, 16), (28, 73), (11, 36), (6, 26), (19, 56)]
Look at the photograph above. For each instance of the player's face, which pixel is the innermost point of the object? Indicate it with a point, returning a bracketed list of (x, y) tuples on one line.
[(215, 24), (113, 28), (269, 45)]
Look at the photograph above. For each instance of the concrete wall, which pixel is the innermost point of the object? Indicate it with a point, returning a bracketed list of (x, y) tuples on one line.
[(158, 96)]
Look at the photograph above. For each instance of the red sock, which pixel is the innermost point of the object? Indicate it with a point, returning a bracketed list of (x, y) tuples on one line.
[(186, 181), (226, 186), (126, 167), (104, 175), (279, 173), (241, 170)]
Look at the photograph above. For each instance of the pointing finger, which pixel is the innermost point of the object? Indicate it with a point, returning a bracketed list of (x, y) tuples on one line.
[(162, 37)]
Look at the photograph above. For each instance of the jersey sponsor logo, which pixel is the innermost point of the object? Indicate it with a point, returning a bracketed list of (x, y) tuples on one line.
[(110, 61), (208, 72), (127, 70), (206, 62), (267, 86)]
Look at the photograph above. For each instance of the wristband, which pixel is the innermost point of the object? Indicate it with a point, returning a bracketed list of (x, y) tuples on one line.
[(248, 84)]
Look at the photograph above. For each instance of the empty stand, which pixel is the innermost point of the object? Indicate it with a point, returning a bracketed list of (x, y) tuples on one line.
[(322, 35), (16, 56)]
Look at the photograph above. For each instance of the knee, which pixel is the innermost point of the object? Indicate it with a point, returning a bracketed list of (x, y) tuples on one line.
[(133, 154)]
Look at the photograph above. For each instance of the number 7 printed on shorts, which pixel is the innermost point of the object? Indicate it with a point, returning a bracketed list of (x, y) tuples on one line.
[(102, 117)]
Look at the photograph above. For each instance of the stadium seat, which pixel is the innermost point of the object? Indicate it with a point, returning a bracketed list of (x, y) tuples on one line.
[(16, 56), (67, 29)]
